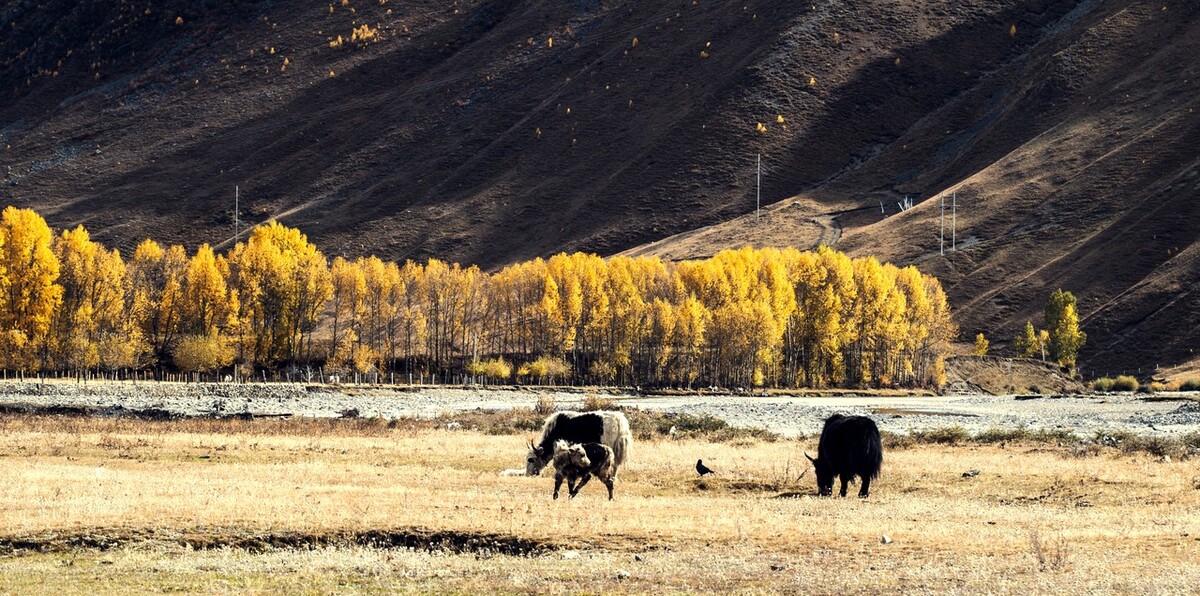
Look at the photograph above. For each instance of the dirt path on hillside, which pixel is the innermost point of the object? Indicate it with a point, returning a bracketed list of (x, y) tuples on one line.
[(831, 230)]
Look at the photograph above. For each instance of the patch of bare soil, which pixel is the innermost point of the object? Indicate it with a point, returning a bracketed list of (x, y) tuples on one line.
[(1007, 376), (240, 538)]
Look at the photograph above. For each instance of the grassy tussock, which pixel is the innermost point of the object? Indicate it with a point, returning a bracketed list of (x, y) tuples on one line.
[(1125, 383), (1121, 383), (593, 402), (1189, 385)]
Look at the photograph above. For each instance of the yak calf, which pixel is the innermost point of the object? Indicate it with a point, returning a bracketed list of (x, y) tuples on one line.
[(581, 462)]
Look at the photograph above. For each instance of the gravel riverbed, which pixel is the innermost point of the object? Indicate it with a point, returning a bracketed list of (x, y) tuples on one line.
[(1169, 414)]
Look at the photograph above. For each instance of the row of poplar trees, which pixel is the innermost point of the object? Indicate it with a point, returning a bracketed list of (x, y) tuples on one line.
[(741, 318)]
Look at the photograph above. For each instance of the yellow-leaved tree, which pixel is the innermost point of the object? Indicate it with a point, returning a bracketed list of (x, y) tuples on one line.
[(29, 292), (1062, 321), (156, 278), (209, 304), (92, 328), (346, 312), (209, 311), (376, 342), (282, 284)]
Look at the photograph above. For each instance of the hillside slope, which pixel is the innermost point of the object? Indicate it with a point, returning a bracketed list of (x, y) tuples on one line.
[(1075, 166), (491, 131)]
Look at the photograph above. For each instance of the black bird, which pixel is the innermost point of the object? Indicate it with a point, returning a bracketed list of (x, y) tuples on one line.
[(701, 468)]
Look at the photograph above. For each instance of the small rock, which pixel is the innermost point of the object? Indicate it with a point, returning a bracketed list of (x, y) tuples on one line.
[(971, 473), (622, 574), (1166, 459), (570, 555), (638, 558), (885, 539), (778, 567)]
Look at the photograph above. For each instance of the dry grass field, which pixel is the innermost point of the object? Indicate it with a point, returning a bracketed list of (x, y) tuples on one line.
[(91, 505)]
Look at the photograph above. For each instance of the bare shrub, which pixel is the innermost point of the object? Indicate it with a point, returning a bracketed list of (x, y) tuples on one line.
[(1050, 555), (1085, 449), (893, 440), (947, 435), (1179, 447), (786, 476), (593, 402), (1001, 435), (545, 405)]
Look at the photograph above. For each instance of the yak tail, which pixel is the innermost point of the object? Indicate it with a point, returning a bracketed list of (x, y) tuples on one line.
[(622, 442), (874, 453)]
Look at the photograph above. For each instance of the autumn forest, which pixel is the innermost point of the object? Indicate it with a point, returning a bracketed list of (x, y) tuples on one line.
[(775, 318)]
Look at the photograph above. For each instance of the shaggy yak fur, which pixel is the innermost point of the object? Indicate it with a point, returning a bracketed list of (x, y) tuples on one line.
[(850, 446), (577, 462), (602, 426)]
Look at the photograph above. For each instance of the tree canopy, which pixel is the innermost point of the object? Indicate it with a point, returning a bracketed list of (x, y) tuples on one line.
[(748, 317)]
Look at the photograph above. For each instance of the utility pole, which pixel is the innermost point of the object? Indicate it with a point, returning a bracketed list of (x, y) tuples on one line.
[(758, 191), (942, 231), (235, 214), (954, 222)]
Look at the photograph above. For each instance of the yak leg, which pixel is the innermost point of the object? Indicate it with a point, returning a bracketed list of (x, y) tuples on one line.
[(845, 480), (866, 487), (586, 477), (608, 482), (558, 484)]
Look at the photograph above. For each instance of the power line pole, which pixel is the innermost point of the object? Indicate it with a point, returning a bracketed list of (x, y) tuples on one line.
[(954, 222), (758, 191), (942, 230)]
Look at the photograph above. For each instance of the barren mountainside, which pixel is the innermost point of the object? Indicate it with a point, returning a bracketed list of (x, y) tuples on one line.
[(495, 131)]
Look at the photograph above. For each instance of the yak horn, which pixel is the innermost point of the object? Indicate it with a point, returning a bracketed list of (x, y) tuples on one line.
[(810, 458)]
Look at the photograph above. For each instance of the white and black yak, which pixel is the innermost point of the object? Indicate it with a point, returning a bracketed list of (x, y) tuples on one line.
[(579, 462), (850, 446), (602, 426)]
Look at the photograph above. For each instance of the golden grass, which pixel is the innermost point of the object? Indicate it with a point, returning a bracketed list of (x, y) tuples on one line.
[(1035, 519)]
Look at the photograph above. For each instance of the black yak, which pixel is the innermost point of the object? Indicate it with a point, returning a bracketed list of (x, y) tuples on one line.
[(849, 447), (602, 426)]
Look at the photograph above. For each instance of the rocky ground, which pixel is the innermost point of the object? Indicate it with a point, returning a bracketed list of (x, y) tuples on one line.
[(1163, 414)]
